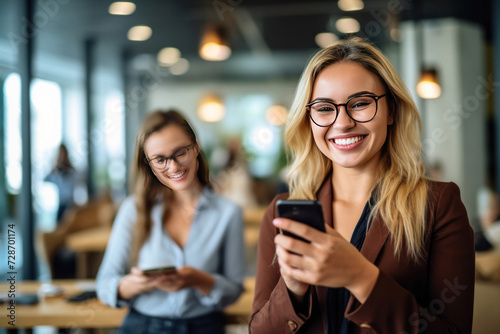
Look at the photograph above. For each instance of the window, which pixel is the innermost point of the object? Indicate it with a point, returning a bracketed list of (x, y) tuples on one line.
[(12, 93), (46, 135)]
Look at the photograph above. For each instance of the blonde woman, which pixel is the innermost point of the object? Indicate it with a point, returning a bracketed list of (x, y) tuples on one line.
[(398, 252), (173, 220)]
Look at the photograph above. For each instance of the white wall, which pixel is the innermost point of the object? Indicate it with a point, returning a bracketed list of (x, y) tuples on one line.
[(454, 124)]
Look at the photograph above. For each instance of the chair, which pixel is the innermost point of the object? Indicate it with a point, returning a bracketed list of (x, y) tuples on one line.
[(99, 212)]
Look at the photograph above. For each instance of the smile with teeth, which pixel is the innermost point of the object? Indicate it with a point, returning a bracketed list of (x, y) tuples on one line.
[(177, 176), (348, 141)]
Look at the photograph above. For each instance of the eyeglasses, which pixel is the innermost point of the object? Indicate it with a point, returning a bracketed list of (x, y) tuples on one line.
[(181, 157), (361, 109)]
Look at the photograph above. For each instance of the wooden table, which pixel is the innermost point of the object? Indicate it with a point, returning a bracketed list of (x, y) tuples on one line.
[(239, 312), (57, 312)]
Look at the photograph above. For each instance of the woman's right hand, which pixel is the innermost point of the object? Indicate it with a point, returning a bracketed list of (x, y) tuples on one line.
[(136, 283)]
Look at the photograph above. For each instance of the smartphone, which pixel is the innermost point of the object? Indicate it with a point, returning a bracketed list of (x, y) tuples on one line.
[(305, 211), (159, 271), (80, 297)]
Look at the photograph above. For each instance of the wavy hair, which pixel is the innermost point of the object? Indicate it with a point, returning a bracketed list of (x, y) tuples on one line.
[(400, 191), (147, 186)]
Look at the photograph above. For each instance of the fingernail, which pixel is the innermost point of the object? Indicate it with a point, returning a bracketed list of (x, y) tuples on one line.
[(276, 222)]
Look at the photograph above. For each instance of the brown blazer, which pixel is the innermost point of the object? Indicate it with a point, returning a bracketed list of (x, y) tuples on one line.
[(434, 296)]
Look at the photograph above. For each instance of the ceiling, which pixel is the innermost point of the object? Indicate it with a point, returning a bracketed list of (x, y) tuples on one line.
[(272, 37)]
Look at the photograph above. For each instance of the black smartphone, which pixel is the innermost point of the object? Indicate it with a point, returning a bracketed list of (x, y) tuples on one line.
[(86, 295), (159, 271), (305, 211)]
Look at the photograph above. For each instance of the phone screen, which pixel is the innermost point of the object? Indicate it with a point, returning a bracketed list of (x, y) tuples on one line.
[(304, 211)]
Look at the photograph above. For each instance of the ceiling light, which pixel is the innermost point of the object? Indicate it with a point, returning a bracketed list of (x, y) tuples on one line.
[(211, 109), (180, 67), (121, 8), (168, 56), (276, 115), (139, 33), (213, 45), (350, 5), (323, 39), (347, 25), (215, 52), (428, 86)]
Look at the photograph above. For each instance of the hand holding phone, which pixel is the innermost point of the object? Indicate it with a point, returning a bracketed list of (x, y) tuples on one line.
[(305, 211)]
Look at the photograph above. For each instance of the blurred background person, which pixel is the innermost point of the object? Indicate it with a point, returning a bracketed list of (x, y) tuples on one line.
[(488, 237), (234, 180), (65, 177), (173, 220)]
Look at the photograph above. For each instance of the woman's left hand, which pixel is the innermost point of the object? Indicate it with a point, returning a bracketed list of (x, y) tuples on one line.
[(185, 277), (329, 260)]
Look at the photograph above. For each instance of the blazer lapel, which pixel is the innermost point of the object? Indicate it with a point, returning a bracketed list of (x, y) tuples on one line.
[(375, 239), (325, 196)]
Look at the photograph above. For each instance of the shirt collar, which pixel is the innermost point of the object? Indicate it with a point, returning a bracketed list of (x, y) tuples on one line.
[(205, 198)]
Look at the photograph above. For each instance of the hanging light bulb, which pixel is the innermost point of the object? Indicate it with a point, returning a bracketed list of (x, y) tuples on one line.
[(121, 8), (211, 109), (351, 5), (347, 25), (139, 33), (214, 46), (168, 56), (324, 39), (428, 86)]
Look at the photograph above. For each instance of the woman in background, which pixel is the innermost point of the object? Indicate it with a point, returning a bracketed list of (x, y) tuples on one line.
[(173, 220), (398, 252), (65, 177)]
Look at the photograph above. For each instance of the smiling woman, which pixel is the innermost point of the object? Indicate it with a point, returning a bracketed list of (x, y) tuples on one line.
[(174, 220), (395, 242), (358, 122)]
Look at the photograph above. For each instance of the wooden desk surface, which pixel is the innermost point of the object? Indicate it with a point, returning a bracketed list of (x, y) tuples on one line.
[(56, 312)]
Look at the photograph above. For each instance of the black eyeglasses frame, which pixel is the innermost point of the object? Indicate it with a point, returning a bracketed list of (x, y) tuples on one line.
[(375, 97)]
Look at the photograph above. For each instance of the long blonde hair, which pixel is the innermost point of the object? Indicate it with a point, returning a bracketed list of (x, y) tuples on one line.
[(401, 187), (148, 187)]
